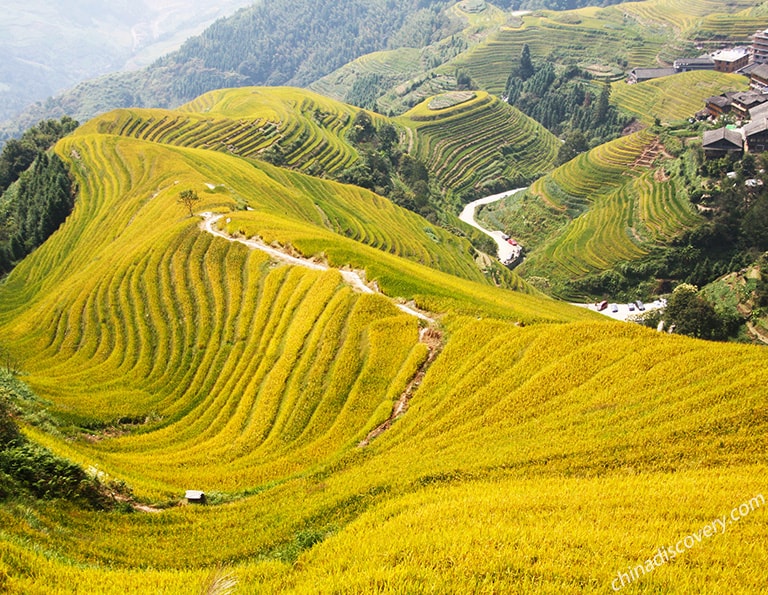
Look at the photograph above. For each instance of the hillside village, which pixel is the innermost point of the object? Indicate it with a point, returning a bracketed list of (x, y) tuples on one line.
[(743, 113)]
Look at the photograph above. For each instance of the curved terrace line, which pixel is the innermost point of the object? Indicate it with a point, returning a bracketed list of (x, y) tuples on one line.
[(352, 278)]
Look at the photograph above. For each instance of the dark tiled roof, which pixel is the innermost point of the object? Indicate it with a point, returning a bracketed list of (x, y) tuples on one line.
[(719, 101), (761, 70), (750, 98), (761, 111), (748, 69), (756, 126), (714, 136)]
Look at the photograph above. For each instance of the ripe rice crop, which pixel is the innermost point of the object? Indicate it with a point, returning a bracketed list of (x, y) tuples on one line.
[(544, 448), (476, 142)]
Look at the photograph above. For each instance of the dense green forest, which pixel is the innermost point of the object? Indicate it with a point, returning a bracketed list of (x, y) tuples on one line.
[(33, 207), (19, 154), (386, 170), (36, 193), (565, 102)]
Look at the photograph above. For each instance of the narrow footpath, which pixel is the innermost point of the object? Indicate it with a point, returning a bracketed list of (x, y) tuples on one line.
[(430, 335), (352, 278)]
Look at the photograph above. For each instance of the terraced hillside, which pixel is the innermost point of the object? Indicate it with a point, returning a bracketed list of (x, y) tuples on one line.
[(684, 14), (198, 303), (478, 141), (402, 78), (538, 447), (307, 132), (674, 97), (607, 206), (594, 39), (607, 41), (598, 418), (308, 129), (390, 68)]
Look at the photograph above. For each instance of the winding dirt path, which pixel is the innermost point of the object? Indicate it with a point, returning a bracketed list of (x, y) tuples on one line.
[(429, 335), (352, 278)]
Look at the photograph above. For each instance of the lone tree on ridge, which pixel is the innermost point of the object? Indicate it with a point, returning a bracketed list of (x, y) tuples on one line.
[(188, 198)]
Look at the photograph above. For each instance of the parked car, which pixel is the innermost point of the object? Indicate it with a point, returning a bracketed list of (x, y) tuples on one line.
[(631, 307), (614, 308), (640, 306), (602, 306)]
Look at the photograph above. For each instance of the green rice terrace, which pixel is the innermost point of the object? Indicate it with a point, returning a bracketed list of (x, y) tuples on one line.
[(389, 68), (453, 99), (478, 141), (309, 133), (228, 372), (606, 41), (674, 97), (396, 80), (607, 206), (308, 128)]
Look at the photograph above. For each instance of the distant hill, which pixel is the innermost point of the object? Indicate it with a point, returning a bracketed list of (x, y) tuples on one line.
[(48, 46), (470, 147), (279, 42)]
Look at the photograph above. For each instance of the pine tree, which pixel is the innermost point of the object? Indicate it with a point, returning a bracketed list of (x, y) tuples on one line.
[(526, 65), (601, 110)]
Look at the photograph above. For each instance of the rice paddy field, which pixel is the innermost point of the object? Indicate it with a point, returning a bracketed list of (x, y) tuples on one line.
[(610, 40), (466, 147), (405, 76), (673, 97), (543, 448), (471, 143), (392, 66), (610, 205), (309, 128)]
